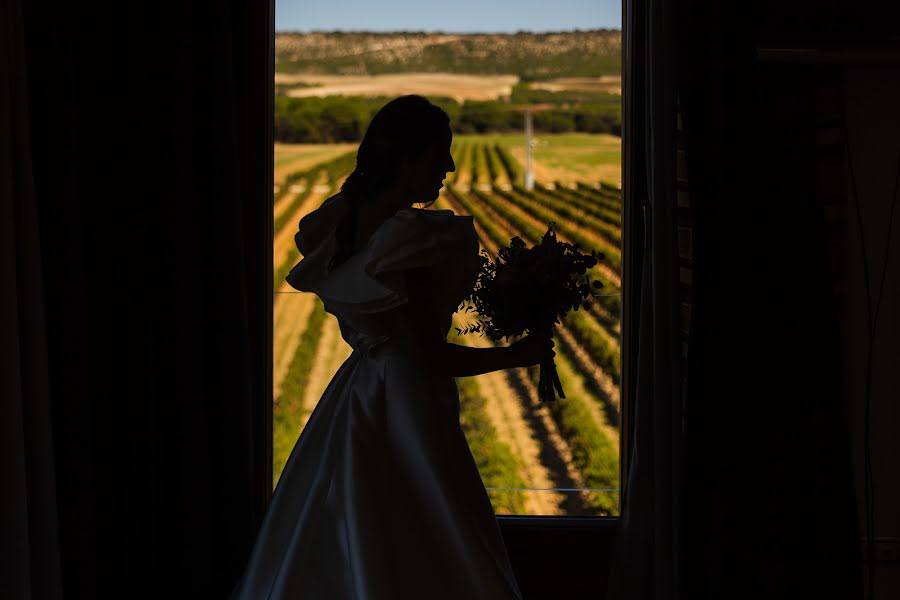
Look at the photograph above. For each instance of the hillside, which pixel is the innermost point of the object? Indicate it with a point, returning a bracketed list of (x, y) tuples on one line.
[(531, 56)]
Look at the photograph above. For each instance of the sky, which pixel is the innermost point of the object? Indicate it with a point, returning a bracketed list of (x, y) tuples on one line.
[(457, 16)]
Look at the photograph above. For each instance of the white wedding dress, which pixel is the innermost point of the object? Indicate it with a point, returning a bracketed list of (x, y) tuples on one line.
[(380, 497)]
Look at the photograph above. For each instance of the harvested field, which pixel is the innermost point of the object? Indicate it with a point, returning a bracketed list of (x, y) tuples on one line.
[(539, 459), (567, 157), (611, 84), (290, 158), (457, 86)]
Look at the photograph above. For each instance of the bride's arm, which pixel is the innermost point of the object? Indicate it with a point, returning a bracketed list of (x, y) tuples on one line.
[(462, 361), (417, 321)]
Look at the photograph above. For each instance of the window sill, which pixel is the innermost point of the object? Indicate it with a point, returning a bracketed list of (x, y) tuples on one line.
[(560, 557)]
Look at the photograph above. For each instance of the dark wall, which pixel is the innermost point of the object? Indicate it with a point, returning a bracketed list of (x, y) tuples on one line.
[(142, 136), (768, 457), (771, 509), (872, 93)]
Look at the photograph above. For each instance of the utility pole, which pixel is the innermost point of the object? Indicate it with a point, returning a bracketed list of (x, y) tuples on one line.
[(529, 149)]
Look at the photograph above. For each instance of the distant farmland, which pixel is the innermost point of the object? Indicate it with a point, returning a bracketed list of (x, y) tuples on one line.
[(517, 443), (531, 56), (329, 85), (460, 87), (559, 459)]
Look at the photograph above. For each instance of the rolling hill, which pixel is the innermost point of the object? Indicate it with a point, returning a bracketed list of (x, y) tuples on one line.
[(531, 56)]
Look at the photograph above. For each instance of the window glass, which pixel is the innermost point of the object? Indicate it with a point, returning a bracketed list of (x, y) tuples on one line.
[(537, 125)]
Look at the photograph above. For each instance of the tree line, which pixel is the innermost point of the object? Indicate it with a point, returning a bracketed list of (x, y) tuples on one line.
[(333, 119)]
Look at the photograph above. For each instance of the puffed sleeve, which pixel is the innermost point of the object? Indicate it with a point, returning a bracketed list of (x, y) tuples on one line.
[(372, 280)]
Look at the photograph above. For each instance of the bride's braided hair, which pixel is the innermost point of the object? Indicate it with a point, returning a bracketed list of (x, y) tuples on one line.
[(404, 127)]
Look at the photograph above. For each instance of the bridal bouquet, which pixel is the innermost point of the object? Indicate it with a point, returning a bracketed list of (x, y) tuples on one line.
[(529, 290)]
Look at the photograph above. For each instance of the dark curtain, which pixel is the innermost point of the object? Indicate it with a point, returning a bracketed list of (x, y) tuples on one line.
[(142, 265), (29, 545), (646, 564), (769, 508), (739, 479)]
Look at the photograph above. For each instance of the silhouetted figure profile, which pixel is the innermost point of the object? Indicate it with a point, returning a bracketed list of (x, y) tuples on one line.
[(381, 498)]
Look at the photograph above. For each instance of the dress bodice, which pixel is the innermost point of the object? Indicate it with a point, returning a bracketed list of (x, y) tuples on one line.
[(362, 290), (378, 344)]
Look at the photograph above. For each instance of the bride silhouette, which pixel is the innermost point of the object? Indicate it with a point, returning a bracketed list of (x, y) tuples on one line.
[(380, 497)]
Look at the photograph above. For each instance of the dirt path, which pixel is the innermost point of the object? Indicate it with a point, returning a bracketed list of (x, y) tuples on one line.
[(505, 412), (447, 201), (322, 368), (608, 273), (464, 178), (575, 387), (610, 323), (342, 352), (334, 356), (602, 380), (285, 201), (290, 314), (605, 324), (291, 158), (283, 242), (555, 452), (502, 179), (459, 156), (479, 162), (291, 309)]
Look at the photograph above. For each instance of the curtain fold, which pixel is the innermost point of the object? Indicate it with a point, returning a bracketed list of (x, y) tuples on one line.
[(739, 479), (768, 509), (646, 564), (30, 567), (151, 160)]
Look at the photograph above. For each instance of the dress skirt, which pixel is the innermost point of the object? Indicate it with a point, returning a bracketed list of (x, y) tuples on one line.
[(380, 497)]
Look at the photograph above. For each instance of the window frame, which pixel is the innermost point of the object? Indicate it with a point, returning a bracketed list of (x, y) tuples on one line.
[(257, 97), (540, 547), (555, 546)]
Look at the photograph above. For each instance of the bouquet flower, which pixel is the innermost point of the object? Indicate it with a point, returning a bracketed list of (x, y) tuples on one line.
[(529, 290)]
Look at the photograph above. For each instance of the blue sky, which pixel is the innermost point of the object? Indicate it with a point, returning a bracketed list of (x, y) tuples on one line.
[(455, 16)]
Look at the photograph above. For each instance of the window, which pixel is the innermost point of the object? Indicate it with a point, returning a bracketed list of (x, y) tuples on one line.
[(537, 138)]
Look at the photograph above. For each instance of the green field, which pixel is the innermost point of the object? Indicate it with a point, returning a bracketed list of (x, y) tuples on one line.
[(517, 443), (565, 157), (329, 85), (290, 158)]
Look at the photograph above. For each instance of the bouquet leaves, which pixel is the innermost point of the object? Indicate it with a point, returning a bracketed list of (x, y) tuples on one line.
[(529, 290)]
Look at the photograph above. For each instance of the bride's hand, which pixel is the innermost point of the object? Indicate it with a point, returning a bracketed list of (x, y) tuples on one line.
[(533, 349)]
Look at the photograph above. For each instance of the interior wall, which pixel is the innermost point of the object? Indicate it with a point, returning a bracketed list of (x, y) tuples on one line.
[(751, 123), (872, 95)]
